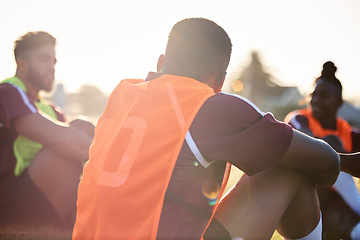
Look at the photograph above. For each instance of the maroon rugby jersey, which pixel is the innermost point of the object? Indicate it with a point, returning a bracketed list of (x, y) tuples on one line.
[(227, 128), (14, 102)]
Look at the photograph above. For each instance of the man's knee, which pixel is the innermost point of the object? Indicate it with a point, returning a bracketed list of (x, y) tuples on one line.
[(48, 168)]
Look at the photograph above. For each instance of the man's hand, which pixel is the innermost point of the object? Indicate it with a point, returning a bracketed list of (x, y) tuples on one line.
[(84, 125)]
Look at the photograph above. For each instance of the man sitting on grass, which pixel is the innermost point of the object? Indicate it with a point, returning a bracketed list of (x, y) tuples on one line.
[(157, 165), (41, 155)]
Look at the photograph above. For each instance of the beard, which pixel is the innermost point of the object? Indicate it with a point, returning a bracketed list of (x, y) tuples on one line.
[(43, 81)]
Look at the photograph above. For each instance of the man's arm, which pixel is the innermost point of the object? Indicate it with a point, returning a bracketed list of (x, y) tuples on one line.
[(63, 139), (314, 156), (350, 163)]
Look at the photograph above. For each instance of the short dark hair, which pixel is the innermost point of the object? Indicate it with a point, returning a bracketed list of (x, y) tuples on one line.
[(197, 48), (328, 75), (32, 40)]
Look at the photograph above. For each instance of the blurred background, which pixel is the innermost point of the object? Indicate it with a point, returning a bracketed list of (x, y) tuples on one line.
[(279, 46)]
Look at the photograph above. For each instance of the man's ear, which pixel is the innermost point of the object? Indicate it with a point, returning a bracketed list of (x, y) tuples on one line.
[(220, 82), (22, 65), (160, 62)]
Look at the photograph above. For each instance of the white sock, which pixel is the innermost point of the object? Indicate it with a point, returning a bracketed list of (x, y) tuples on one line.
[(314, 235), (355, 232), (346, 188)]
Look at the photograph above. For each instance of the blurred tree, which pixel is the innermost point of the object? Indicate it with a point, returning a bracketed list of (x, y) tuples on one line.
[(88, 102), (255, 80), (92, 100), (263, 89)]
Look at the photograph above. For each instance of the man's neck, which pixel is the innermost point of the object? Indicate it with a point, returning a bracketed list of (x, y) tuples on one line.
[(33, 91), (329, 123)]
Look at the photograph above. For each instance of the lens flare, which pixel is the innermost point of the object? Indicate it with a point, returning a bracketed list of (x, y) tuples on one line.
[(211, 190), (237, 86)]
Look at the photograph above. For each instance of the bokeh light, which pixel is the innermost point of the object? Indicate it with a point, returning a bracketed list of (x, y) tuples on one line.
[(211, 190), (237, 86)]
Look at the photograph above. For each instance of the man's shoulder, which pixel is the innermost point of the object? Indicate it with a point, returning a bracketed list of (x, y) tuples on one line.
[(297, 113), (298, 119), (13, 96), (233, 103), (226, 111), (8, 89), (6, 85)]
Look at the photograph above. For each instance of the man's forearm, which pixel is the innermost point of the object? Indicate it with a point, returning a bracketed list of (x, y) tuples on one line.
[(350, 163), (315, 157), (69, 141), (73, 144)]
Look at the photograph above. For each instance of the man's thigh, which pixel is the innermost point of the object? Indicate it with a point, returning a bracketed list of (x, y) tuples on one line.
[(26, 205), (257, 204)]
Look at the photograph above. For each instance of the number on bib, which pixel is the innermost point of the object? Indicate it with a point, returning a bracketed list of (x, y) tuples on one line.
[(118, 176)]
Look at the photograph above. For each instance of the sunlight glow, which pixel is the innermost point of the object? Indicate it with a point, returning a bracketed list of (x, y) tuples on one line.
[(100, 43)]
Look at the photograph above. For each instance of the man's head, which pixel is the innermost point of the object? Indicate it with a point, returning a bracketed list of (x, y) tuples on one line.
[(35, 58), (197, 48), (327, 96)]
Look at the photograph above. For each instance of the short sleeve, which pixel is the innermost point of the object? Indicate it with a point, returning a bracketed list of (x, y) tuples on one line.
[(232, 129), (13, 103), (297, 121), (261, 145)]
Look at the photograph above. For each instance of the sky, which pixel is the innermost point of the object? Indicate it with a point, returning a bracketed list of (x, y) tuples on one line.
[(103, 42)]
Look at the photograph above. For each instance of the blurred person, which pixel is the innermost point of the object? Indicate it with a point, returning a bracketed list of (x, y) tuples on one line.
[(41, 155), (162, 149), (340, 204)]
